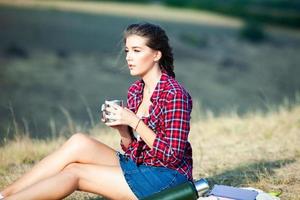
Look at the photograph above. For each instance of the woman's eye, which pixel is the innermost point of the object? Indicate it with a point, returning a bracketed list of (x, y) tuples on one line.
[(134, 50)]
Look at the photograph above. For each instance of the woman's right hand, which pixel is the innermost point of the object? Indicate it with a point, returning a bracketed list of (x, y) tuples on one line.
[(118, 127), (123, 129)]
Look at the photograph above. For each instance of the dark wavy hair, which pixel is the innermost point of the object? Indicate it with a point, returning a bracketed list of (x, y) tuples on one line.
[(157, 39)]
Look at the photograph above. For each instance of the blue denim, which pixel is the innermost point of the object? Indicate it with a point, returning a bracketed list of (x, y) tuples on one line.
[(146, 180)]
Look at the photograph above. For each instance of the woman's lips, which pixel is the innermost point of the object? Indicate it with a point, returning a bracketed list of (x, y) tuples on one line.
[(130, 66)]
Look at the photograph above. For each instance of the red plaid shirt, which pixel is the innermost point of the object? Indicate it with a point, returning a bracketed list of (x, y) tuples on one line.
[(169, 118)]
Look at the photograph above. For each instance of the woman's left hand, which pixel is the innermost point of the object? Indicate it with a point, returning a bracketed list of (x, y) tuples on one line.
[(121, 116)]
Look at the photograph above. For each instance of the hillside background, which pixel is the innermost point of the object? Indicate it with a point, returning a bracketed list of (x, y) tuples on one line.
[(58, 64), (276, 12)]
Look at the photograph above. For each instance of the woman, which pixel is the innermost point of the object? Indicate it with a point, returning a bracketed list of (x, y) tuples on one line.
[(154, 132)]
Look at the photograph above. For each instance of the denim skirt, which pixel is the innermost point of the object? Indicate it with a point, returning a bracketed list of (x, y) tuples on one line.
[(146, 180)]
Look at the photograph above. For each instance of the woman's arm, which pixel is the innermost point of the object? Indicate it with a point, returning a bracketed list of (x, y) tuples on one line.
[(126, 136), (145, 132)]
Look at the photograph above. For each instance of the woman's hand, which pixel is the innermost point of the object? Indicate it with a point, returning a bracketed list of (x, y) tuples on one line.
[(120, 128), (120, 116), (117, 119)]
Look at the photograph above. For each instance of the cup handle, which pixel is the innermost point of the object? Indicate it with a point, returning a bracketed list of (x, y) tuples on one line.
[(103, 106)]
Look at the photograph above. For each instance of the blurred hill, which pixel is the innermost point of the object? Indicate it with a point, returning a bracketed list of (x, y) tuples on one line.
[(58, 66), (279, 12)]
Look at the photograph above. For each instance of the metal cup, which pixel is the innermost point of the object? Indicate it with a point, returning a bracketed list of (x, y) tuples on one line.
[(105, 114)]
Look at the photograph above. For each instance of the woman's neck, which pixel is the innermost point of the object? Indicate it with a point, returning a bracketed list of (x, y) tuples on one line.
[(151, 79)]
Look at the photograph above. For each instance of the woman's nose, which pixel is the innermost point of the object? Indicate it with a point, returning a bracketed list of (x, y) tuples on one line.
[(128, 56)]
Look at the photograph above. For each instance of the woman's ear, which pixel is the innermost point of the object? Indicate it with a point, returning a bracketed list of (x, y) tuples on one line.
[(157, 56)]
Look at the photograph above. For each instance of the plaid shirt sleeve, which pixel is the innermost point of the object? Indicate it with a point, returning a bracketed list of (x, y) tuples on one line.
[(169, 146), (131, 149)]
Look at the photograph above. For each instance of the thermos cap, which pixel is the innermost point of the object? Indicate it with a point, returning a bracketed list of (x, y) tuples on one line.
[(201, 186)]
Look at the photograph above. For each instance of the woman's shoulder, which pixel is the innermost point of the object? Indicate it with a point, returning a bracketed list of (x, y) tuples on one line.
[(173, 87)]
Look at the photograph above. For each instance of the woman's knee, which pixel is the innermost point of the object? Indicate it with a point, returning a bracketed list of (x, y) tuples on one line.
[(78, 140), (78, 136), (72, 167)]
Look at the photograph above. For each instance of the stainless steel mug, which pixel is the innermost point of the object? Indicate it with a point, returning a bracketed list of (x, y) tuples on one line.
[(105, 114)]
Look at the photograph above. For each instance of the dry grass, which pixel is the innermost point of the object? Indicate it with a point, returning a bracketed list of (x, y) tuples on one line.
[(260, 151), (257, 150)]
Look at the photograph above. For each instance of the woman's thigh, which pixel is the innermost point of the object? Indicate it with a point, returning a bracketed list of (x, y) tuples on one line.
[(107, 181), (85, 149)]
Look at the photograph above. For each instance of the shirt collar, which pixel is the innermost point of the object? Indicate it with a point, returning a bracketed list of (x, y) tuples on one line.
[(159, 87)]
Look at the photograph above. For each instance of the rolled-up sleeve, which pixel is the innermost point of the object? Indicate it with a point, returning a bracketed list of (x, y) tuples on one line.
[(131, 149), (169, 144)]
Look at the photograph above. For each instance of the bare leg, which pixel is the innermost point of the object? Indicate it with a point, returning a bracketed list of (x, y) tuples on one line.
[(105, 180), (55, 187), (78, 149)]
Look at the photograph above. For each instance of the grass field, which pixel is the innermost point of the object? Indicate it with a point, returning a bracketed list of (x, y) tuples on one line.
[(257, 150)]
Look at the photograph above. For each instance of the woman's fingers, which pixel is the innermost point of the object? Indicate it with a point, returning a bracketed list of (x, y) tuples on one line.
[(117, 115), (116, 106), (113, 108), (113, 123), (109, 109)]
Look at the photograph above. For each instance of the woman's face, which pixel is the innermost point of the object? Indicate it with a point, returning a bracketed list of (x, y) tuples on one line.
[(140, 58)]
